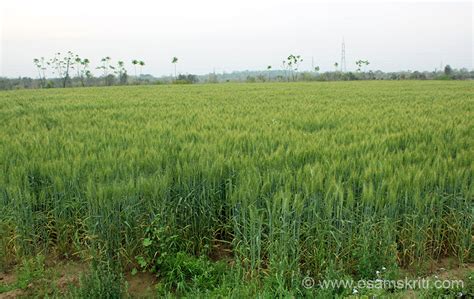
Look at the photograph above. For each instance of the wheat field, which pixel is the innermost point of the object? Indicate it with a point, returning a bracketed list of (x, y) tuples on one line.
[(270, 182)]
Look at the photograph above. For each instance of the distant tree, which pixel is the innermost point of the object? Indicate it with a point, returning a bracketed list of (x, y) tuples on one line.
[(106, 67), (41, 65), (335, 66), (269, 68), (448, 71), (110, 79), (174, 61), (316, 69), (142, 64), (135, 62), (89, 75), (250, 79), (360, 63), (261, 78), (416, 75), (63, 65), (121, 72), (292, 65), (82, 67), (70, 64), (186, 79)]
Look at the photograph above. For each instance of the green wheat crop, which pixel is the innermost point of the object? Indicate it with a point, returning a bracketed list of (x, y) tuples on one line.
[(296, 178)]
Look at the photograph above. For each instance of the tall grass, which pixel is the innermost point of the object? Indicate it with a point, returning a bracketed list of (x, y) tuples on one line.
[(300, 178)]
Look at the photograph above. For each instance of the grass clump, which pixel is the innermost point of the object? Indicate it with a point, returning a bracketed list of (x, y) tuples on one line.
[(103, 280)]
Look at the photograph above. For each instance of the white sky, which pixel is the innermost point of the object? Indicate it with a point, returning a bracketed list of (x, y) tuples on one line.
[(237, 35)]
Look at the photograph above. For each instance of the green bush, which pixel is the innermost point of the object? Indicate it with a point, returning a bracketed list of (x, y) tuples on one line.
[(177, 270)]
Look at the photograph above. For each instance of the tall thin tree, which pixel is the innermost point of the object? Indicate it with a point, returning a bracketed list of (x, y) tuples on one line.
[(269, 68), (135, 62), (174, 61), (41, 66), (142, 64)]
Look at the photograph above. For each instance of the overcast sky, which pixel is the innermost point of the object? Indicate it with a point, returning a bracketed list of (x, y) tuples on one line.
[(237, 34)]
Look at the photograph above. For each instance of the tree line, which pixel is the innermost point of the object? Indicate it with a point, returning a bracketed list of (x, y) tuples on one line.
[(70, 70), (69, 66)]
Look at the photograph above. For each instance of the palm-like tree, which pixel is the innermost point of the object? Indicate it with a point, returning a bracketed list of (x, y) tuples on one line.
[(135, 62), (174, 61), (268, 69), (336, 65), (142, 64)]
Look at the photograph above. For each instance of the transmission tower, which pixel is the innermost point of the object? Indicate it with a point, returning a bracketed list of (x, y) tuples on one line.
[(343, 56)]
